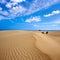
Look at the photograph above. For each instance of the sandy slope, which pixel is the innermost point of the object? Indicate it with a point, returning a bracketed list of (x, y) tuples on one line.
[(49, 44), (20, 45)]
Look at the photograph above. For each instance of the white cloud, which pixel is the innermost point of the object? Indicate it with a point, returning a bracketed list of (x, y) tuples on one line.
[(40, 4), (8, 5), (13, 3), (33, 19), (4, 13), (0, 8), (52, 13), (16, 11), (17, 0), (13, 12)]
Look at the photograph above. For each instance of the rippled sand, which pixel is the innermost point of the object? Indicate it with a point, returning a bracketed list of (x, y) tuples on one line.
[(28, 45)]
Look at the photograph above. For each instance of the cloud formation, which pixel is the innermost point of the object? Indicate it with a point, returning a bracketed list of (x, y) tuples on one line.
[(15, 9), (40, 4), (16, 1), (33, 19), (52, 13), (0, 8), (51, 24)]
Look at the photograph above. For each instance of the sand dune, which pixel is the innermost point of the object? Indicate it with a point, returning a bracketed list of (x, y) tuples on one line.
[(49, 44), (28, 45)]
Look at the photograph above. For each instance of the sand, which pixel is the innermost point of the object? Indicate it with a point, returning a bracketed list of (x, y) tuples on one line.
[(49, 44), (29, 45)]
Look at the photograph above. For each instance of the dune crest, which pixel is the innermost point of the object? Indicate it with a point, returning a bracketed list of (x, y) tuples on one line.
[(48, 45)]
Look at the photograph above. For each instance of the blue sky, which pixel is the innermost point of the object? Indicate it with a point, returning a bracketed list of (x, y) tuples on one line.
[(29, 14)]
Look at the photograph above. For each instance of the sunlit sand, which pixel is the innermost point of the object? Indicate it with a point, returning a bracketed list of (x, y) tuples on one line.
[(29, 45)]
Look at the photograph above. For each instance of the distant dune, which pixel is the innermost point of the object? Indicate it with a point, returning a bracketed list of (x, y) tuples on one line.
[(29, 45)]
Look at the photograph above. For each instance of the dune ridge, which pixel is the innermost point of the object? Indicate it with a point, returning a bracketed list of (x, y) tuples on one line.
[(48, 45)]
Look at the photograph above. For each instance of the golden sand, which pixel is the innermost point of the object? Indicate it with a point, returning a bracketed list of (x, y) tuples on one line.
[(29, 45), (49, 44)]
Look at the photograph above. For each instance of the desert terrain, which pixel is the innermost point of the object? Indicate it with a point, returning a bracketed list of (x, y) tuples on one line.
[(29, 45)]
